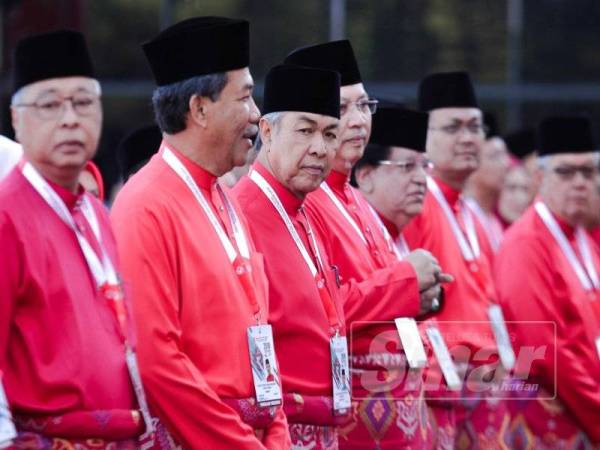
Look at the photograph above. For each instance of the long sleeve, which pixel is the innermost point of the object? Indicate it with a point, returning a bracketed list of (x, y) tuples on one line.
[(9, 285), (175, 385), (530, 288), (385, 295)]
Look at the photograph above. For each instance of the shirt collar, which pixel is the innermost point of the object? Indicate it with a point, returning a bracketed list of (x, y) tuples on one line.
[(69, 198), (203, 178), (567, 229), (390, 226), (337, 181), (290, 202), (450, 194)]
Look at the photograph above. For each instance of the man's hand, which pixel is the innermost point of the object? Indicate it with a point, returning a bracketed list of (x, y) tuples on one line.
[(430, 277), (427, 268)]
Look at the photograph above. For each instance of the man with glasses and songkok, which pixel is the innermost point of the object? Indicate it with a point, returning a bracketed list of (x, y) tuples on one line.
[(358, 248), (392, 177), (200, 295), (66, 341), (471, 321), (547, 273)]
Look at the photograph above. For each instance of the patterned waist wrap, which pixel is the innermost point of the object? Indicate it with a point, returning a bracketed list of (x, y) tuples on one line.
[(114, 424), (251, 413)]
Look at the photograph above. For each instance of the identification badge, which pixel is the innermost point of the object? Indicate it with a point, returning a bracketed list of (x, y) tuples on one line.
[(340, 374), (444, 359), (507, 355), (265, 373), (411, 342), (140, 395), (598, 346), (7, 427)]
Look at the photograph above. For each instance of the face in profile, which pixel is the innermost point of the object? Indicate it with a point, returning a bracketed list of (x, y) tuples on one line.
[(355, 126), (233, 119)]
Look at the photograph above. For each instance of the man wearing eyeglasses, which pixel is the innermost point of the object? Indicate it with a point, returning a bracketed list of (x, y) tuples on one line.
[(547, 278), (471, 321), (66, 345), (360, 252)]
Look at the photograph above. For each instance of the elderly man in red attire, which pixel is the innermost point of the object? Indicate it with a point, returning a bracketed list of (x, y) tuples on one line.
[(471, 321), (299, 135), (357, 245), (392, 177), (199, 288), (547, 272), (66, 344)]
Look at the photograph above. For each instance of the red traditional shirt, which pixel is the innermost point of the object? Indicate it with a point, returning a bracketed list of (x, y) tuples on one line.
[(464, 318), (60, 348), (357, 245), (191, 310), (548, 309)]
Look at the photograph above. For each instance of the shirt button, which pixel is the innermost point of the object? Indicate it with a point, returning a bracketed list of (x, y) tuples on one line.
[(221, 209)]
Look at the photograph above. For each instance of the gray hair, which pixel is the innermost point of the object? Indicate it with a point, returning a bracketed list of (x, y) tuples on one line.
[(17, 97), (171, 102), (274, 118), (543, 161)]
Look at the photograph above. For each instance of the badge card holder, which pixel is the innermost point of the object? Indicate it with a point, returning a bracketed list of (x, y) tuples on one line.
[(8, 431), (444, 359), (507, 355), (265, 373), (411, 342), (340, 374)]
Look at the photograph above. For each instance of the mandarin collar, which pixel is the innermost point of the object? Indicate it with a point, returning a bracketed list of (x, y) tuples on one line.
[(290, 202), (69, 198), (568, 230), (450, 194), (203, 178), (337, 181), (389, 225)]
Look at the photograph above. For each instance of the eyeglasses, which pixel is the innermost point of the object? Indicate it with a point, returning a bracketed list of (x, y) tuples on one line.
[(569, 172), (456, 128), (407, 167), (51, 108), (363, 106)]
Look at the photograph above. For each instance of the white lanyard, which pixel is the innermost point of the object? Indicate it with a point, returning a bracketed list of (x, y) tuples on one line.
[(491, 230), (470, 249), (266, 189), (588, 277), (238, 233), (343, 210), (102, 271), (399, 247), (402, 247)]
